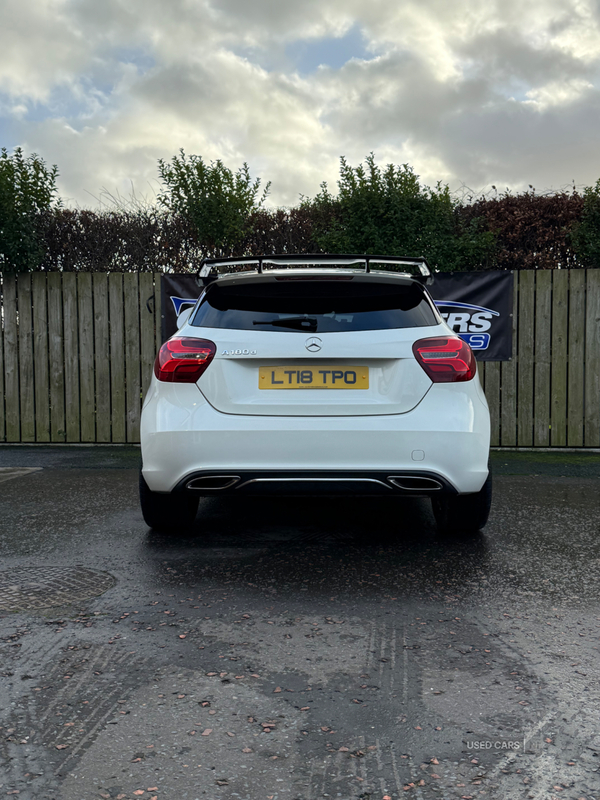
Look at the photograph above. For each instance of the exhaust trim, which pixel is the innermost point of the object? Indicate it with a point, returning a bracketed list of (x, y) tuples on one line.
[(214, 483), (414, 483)]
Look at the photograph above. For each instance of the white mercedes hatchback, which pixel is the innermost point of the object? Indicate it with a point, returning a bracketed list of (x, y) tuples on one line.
[(315, 375)]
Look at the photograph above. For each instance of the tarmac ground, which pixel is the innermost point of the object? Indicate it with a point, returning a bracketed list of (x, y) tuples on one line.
[(332, 648)]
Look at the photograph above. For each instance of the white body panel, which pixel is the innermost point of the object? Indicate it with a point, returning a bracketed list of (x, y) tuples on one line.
[(182, 433)]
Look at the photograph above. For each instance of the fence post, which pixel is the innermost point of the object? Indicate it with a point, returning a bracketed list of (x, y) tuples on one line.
[(543, 338), (117, 358), (525, 368), (575, 384), (102, 363), (592, 359), (40, 357), (11, 360)]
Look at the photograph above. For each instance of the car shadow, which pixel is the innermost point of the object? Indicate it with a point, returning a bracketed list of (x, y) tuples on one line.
[(320, 545)]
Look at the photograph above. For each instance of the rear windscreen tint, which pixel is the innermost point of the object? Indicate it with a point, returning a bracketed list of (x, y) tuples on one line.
[(328, 306)]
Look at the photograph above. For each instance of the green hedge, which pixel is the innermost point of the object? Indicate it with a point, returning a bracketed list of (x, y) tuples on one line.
[(208, 210)]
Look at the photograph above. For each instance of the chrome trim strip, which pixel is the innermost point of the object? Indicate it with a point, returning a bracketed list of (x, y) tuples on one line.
[(314, 480)]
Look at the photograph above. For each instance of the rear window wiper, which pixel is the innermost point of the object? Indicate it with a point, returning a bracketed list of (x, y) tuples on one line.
[(300, 323)]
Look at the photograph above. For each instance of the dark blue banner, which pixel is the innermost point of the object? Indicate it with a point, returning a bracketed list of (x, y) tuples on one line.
[(479, 307)]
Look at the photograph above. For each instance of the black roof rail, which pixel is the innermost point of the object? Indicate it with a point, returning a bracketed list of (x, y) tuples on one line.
[(210, 267)]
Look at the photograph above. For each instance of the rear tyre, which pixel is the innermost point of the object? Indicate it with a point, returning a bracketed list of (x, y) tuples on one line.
[(167, 513), (463, 513)]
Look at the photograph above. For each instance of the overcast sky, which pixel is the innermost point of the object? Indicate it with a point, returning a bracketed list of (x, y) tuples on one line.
[(474, 92)]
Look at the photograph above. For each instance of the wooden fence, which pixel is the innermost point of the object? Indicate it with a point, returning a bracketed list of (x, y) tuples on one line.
[(76, 353), (548, 395)]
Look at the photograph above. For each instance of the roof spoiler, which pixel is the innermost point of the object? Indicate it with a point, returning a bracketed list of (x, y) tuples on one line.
[(212, 268)]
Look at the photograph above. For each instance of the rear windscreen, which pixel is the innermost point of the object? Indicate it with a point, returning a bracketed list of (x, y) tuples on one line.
[(323, 306)]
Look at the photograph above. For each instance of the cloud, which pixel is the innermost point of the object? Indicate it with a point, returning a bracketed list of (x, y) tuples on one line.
[(467, 92), (517, 144), (39, 48)]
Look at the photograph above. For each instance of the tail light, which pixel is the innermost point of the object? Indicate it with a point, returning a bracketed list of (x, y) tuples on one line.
[(446, 359), (183, 359)]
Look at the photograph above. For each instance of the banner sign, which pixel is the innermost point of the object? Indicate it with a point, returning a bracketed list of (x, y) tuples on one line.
[(477, 305)]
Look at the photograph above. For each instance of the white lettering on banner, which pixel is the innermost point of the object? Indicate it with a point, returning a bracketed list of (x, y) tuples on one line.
[(471, 322), (481, 321), (466, 323), (458, 322)]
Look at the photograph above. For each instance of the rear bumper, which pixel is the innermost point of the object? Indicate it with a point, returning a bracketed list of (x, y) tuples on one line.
[(446, 437), (206, 483)]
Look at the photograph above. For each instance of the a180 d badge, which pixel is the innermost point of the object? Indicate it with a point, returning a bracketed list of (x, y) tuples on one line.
[(238, 352)]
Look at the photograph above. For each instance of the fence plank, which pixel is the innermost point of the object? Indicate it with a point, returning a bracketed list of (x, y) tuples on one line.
[(2, 414), (40, 357), (559, 339), (132, 355), (147, 333), (56, 362), (508, 381), (575, 392), (525, 371), (86, 356), (71, 349), (592, 359), (543, 321), (492, 393), (11, 360), (117, 357), (26, 388), (101, 356)]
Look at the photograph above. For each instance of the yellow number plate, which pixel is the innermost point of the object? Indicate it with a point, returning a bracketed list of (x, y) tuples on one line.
[(310, 377)]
